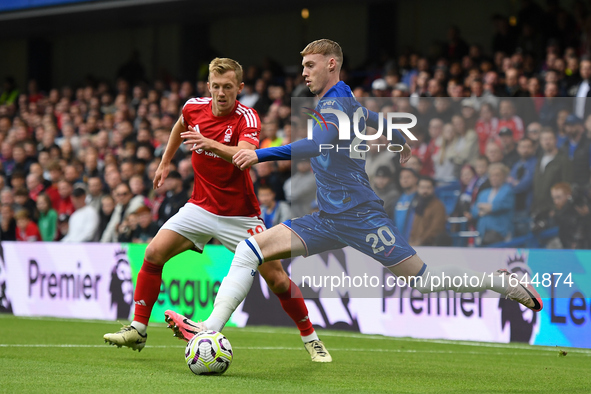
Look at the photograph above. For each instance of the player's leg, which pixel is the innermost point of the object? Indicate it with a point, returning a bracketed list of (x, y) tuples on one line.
[(188, 229), (377, 236), (434, 279), (292, 302), (237, 283), (274, 243), (165, 245)]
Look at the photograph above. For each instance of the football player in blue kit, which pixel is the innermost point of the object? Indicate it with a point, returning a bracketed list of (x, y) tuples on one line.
[(350, 213)]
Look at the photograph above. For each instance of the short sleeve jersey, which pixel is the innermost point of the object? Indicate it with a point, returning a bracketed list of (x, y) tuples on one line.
[(220, 187)]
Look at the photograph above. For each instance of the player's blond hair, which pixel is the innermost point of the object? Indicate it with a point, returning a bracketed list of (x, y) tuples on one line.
[(221, 65), (325, 47)]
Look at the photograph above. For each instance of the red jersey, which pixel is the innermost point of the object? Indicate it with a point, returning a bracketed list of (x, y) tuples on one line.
[(220, 187), (31, 233)]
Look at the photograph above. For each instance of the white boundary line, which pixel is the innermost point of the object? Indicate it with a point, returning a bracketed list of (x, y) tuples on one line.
[(325, 333), (365, 350)]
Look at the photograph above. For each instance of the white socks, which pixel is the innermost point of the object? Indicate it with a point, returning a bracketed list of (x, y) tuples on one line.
[(140, 327), (236, 284), (460, 280)]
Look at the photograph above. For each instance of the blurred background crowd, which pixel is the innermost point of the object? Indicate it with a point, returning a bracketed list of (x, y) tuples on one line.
[(503, 156)]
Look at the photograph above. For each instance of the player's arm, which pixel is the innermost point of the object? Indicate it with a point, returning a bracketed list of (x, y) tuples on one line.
[(198, 141), (373, 120), (174, 142), (302, 149)]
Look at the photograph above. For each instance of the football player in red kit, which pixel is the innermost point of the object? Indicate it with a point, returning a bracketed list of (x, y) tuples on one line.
[(223, 204)]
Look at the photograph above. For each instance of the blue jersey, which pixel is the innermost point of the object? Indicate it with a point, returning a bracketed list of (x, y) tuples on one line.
[(339, 164), (340, 171)]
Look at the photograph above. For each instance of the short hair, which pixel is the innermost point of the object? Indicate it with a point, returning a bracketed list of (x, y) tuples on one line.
[(21, 214), (221, 65), (527, 139), (564, 186), (499, 166), (78, 192), (413, 172), (266, 187), (428, 179), (325, 47), (142, 209)]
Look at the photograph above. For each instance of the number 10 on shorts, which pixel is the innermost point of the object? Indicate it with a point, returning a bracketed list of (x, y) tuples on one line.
[(256, 230)]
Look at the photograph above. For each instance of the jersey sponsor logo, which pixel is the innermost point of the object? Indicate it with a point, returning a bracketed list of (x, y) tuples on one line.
[(207, 153), (228, 134), (252, 136)]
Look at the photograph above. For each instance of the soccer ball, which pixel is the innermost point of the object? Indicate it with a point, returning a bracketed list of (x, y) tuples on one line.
[(209, 353)]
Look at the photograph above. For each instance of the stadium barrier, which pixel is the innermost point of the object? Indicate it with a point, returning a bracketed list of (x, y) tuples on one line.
[(95, 281)]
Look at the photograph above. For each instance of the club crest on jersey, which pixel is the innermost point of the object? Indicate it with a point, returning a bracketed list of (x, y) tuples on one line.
[(228, 134)]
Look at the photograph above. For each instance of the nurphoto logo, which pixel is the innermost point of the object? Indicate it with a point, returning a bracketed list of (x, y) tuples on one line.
[(358, 143)]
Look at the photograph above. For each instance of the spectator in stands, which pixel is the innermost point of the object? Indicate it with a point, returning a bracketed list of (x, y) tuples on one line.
[(300, 189), (95, 192), (126, 204), (508, 118), (174, 198), (266, 174), (468, 180), (47, 218), (272, 211), (429, 217), (146, 229), (8, 223), (126, 228), (510, 155), (578, 149), (84, 221), (444, 167), (64, 207), (493, 152), (583, 90), (565, 217), (493, 208), (402, 212), (26, 229), (23, 201), (486, 126), (34, 185), (533, 133), (465, 145), (105, 213), (521, 178), (383, 185), (551, 105), (551, 168)]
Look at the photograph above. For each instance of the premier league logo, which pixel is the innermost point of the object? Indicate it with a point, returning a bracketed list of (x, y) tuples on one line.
[(519, 319), (121, 286), (5, 305)]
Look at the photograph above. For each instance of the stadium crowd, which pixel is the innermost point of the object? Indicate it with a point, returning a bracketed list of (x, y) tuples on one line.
[(503, 149)]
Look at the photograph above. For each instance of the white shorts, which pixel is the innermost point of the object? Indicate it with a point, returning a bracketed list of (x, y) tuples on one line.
[(199, 226)]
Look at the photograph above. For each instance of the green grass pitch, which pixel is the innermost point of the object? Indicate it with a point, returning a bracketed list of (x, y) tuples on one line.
[(60, 355)]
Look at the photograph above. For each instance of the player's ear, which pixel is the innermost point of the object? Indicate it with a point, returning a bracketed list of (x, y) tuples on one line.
[(208, 88), (332, 64), (240, 87)]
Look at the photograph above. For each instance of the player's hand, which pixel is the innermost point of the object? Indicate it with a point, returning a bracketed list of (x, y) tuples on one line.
[(405, 154), (196, 139), (245, 158), (160, 176)]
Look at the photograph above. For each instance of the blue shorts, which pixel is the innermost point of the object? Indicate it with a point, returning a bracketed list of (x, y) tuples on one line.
[(366, 228)]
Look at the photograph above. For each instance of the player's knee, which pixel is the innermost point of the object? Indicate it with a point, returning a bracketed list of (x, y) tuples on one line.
[(277, 280), (154, 255)]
